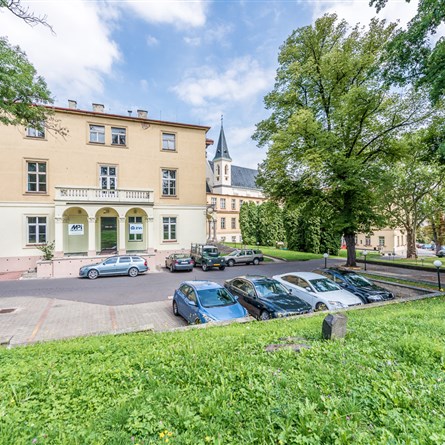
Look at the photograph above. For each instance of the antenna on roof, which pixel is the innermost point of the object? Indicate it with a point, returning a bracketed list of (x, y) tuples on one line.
[(222, 119)]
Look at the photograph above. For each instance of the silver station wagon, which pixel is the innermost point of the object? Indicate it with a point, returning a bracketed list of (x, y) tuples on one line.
[(116, 265)]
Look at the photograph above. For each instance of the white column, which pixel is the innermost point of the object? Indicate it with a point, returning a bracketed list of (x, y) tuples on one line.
[(121, 245), (58, 237), (150, 233), (91, 236)]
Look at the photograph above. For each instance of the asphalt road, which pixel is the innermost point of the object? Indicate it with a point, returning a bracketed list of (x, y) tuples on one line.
[(116, 291)]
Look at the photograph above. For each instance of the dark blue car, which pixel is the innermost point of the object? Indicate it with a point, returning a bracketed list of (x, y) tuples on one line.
[(204, 301), (366, 290), (266, 298)]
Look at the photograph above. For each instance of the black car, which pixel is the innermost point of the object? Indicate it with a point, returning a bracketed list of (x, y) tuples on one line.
[(366, 290), (266, 298)]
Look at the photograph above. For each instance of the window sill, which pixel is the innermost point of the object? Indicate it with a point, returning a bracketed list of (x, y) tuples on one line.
[(36, 194), (169, 196), (36, 138), (163, 150), (169, 241)]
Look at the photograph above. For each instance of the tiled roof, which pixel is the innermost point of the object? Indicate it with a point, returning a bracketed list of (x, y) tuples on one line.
[(241, 177)]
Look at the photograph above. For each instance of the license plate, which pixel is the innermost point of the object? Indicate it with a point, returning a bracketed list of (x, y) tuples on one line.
[(184, 262), (216, 264)]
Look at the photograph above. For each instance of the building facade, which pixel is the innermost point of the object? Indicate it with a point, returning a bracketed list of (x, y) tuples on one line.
[(113, 184), (228, 187), (386, 241)]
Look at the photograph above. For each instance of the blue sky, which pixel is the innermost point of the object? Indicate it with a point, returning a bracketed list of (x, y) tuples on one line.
[(185, 61)]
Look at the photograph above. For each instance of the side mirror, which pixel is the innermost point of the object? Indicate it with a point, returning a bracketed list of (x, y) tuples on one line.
[(308, 289), (290, 291), (192, 303)]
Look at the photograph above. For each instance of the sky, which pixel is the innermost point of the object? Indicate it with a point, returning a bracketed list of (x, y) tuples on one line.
[(189, 61)]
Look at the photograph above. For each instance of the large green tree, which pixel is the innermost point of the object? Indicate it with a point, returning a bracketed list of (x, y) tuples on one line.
[(413, 188), (332, 119), (413, 57), (23, 93)]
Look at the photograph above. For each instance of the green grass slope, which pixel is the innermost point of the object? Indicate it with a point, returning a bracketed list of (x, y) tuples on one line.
[(384, 384)]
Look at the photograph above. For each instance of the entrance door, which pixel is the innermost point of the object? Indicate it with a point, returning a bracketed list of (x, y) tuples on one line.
[(108, 233)]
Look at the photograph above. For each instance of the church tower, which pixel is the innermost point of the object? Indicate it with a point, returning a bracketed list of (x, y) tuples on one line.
[(222, 162)]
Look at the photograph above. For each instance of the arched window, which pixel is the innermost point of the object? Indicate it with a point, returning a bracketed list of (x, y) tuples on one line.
[(226, 170), (218, 170)]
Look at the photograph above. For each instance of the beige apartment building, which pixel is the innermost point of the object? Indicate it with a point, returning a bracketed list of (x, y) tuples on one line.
[(113, 184), (228, 187), (386, 241)]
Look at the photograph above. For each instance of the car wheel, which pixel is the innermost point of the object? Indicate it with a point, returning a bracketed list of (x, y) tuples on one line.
[(172, 269), (133, 272), (265, 315), (175, 309), (93, 274), (256, 261), (230, 263), (197, 321), (321, 307), (222, 267), (204, 267)]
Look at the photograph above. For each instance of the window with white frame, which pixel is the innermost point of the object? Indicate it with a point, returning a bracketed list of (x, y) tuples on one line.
[(222, 203), (233, 204), (36, 229), (234, 239), (223, 223), (169, 141), (368, 241), (37, 181), (169, 228), (381, 241), (33, 132), (168, 182), (135, 235), (233, 223), (213, 201), (108, 177), (97, 134), (118, 136), (240, 203)]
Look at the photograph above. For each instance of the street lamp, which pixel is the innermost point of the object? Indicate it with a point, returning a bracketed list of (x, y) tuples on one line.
[(438, 265), (364, 253), (325, 256)]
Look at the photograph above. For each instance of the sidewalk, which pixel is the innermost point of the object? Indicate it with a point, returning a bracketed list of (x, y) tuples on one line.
[(25, 320)]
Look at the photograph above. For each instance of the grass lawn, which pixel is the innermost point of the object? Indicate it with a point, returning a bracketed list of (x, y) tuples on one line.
[(384, 384)]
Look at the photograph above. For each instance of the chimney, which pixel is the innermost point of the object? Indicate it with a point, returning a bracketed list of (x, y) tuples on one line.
[(72, 104), (129, 112), (142, 114), (98, 108)]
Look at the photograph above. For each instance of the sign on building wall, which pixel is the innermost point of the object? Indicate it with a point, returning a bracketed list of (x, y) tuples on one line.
[(75, 229), (136, 228)]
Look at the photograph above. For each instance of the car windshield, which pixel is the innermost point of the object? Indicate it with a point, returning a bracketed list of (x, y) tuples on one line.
[(215, 297), (358, 280), (324, 285), (269, 288), (180, 256), (210, 252)]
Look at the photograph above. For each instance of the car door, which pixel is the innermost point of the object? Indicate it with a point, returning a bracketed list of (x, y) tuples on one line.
[(108, 267), (192, 306), (293, 283), (236, 287), (181, 297), (253, 303), (123, 265)]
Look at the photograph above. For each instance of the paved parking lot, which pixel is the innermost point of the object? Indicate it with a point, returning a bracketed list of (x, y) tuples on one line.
[(42, 310)]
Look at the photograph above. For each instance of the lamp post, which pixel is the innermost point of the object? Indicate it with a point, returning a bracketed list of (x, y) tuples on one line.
[(325, 256), (438, 264), (364, 253)]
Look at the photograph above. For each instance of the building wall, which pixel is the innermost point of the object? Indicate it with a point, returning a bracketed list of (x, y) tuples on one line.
[(228, 234), (385, 241), (73, 161)]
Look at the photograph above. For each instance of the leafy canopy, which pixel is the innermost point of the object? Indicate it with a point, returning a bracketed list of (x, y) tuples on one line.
[(333, 117)]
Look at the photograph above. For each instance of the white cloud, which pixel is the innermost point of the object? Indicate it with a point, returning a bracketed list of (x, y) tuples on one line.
[(75, 59), (152, 41), (179, 13), (359, 11), (243, 79), (192, 41)]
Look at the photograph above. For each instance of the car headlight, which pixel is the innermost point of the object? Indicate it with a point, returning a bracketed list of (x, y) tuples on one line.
[(207, 318), (375, 297), (337, 305)]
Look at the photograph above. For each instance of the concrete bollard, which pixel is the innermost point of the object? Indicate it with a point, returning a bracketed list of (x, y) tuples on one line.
[(334, 326)]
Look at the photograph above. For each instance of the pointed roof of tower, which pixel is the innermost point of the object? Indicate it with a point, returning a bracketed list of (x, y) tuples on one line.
[(222, 152)]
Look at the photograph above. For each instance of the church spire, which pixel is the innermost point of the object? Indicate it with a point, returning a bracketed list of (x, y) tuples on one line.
[(222, 152)]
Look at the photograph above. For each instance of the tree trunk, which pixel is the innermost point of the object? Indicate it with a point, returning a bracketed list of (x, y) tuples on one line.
[(411, 251), (350, 248)]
